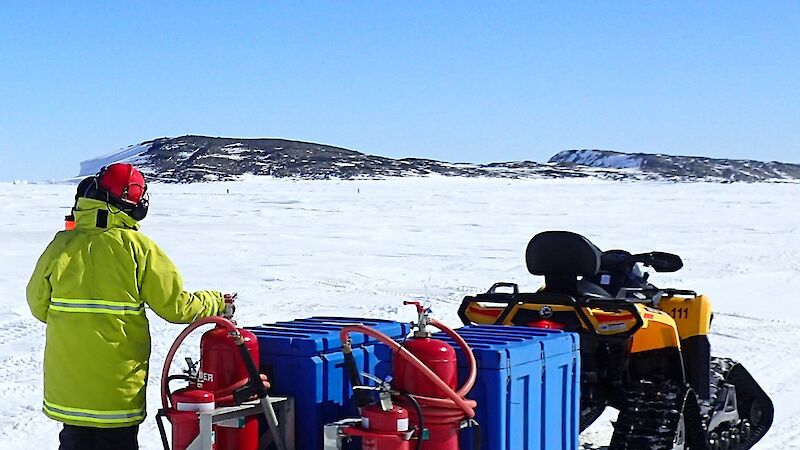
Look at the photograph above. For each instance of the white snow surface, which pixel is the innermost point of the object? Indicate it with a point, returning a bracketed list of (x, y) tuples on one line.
[(294, 249)]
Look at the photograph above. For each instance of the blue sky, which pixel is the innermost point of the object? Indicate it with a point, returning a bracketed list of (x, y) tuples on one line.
[(461, 81)]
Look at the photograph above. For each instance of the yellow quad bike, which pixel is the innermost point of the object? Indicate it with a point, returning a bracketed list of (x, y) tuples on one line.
[(644, 350)]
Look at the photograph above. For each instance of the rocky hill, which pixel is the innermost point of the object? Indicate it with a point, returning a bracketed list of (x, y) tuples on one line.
[(680, 167), (201, 158)]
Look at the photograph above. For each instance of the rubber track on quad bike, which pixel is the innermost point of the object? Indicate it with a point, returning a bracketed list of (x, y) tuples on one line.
[(589, 414), (651, 418), (754, 405)]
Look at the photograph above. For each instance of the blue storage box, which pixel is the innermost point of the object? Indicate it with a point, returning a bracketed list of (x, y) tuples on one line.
[(527, 387), (303, 359)]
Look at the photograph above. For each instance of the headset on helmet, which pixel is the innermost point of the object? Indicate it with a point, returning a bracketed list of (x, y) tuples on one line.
[(122, 186)]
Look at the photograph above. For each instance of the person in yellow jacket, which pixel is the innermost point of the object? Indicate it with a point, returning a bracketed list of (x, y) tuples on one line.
[(91, 286)]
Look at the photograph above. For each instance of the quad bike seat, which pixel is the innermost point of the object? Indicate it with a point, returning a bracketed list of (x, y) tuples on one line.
[(561, 257)]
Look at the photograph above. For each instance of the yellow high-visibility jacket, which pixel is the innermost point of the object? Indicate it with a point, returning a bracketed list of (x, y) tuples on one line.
[(90, 287)]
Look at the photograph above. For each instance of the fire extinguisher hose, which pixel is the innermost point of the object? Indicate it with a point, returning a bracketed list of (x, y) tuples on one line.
[(440, 409), (473, 365)]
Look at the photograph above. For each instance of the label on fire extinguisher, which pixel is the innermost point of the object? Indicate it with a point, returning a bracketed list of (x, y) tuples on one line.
[(204, 376), (402, 424)]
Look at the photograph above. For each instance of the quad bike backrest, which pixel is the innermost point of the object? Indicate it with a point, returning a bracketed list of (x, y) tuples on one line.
[(562, 257)]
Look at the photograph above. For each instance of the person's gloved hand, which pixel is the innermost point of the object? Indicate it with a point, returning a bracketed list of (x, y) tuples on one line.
[(230, 307)]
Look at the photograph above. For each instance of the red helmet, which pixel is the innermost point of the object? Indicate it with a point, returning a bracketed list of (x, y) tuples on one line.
[(122, 186), (123, 181)]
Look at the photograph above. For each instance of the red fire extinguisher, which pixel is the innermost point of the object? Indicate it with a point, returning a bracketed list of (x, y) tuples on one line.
[(228, 375), (422, 399), (183, 415), (222, 372), (383, 429), (440, 357)]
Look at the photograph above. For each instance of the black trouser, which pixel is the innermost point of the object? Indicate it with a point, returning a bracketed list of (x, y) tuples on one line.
[(89, 438)]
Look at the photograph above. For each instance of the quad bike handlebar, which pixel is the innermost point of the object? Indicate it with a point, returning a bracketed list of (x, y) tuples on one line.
[(659, 261), (652, 294)]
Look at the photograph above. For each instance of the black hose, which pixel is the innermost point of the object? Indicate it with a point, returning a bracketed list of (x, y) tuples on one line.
[(172, 378), (255, 378), (159, 421), (180, 377), (476, 434), (418, 409), (352, 368), (360, 396)]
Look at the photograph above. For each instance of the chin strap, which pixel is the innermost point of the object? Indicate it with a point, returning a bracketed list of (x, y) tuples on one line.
[(102, 218)]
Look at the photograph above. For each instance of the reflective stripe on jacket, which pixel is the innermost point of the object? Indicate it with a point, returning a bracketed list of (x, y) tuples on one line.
[(90, 287)]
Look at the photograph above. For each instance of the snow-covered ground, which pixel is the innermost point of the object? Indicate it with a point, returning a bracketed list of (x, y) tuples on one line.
[(300, 248)]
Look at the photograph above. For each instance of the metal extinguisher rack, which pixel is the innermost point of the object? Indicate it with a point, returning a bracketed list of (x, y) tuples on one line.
[(191, 411), (283, 406)]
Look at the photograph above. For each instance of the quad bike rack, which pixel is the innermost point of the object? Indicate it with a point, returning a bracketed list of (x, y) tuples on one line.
[(515, 298)]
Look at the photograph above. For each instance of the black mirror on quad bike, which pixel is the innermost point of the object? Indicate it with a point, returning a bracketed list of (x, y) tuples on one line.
[(660, 261)]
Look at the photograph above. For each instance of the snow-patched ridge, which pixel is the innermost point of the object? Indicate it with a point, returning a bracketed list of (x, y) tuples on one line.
[(597, 158), (681, 167), (201, 158)]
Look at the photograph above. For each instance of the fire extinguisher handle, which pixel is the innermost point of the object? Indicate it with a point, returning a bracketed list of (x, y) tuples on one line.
[(418, 305)]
